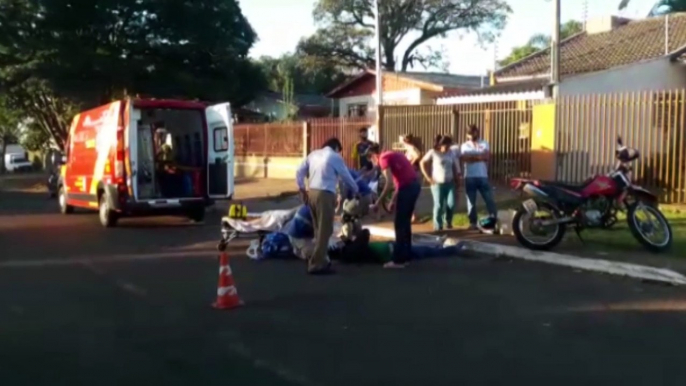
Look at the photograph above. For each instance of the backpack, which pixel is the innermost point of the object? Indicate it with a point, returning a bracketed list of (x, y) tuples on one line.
[(276, 245)]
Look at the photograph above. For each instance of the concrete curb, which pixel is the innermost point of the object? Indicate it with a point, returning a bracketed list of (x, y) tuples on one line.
[(635, 271)]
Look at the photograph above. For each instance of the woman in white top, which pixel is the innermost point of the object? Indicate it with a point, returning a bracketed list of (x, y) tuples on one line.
[(444, 180)]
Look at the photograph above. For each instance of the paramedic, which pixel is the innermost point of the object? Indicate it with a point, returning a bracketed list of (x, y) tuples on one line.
[(164, 156), (323, 168)]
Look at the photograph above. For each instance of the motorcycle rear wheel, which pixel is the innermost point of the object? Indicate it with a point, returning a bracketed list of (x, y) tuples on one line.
[(517, 223), (637, 232)]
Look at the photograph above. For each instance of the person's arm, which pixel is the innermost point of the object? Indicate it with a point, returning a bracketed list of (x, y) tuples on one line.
[(302, 171), (414, 155), (485, 154), (387, 186), (344, 174), (456, 174), (423, 164)]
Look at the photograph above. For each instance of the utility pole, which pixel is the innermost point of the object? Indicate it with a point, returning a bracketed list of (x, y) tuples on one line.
[(379, 75), (555, 51)]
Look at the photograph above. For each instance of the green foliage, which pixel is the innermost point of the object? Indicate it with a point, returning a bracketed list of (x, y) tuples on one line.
[(9, 129), (307, 74), (540, 42), (288, 99), (35, 138), (662, 7), (346, 30), (82, 53)]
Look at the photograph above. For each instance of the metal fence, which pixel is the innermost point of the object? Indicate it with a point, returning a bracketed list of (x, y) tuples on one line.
[(505, 125), (269, 139), (507, 128), (652, 122), (347, 130), (424, 122)]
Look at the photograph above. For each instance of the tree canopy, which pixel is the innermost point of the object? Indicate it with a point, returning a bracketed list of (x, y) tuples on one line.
[(9, 129), (346, 29), (304, 75), (540, 41), (60, 55), (661, 7)]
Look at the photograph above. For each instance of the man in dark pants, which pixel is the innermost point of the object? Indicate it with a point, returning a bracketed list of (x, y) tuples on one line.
[(323, 168), (397, 167)]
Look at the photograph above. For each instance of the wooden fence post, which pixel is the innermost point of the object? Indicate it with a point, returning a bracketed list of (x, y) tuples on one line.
[(306, 138)]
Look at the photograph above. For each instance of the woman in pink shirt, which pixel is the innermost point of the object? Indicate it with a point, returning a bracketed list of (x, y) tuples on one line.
[(397, 167)]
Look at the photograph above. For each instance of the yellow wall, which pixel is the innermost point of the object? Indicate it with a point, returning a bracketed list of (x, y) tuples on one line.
[(266, 167), (543, 155)]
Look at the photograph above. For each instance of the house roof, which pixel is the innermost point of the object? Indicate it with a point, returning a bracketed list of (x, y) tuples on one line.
[(421, 79), (509, 87), (632, 42), (300, 99)]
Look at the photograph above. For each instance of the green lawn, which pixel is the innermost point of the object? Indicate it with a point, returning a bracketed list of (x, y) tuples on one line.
[(618, 238)]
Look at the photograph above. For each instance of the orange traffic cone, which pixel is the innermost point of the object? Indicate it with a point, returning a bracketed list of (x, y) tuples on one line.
[(227, 294)]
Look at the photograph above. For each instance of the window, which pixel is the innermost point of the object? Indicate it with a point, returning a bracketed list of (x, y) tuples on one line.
[(221, 139), (357, 110)]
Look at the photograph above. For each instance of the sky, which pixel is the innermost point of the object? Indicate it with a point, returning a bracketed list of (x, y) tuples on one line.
[(281, 24)]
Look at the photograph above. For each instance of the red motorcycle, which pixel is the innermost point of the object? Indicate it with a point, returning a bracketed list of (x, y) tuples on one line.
[(541, 222)]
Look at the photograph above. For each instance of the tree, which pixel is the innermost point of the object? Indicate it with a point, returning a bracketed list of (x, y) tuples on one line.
[(347, 28), (84, 53), (662, 7), (9, 129), (540, 42), (308, 74)]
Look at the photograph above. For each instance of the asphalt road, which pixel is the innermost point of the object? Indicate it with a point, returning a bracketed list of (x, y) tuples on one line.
[(81, 305)]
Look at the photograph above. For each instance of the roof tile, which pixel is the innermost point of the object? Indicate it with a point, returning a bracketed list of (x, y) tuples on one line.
[(630, 43)]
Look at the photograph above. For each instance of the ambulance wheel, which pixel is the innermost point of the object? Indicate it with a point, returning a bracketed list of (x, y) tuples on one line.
[(64, 207), (108, 217), (197, 215)]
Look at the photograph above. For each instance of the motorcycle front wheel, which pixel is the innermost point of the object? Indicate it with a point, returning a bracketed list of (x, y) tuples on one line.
[(643, 230), (524, 223)]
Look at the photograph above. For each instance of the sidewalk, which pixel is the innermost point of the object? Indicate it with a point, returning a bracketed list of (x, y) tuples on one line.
[(265, 194), (571, 245)]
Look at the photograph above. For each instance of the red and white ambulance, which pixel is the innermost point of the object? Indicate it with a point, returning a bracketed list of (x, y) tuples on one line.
[(112, 161)]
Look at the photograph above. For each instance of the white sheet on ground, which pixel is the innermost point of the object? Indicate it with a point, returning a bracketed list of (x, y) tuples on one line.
[(270, 221)]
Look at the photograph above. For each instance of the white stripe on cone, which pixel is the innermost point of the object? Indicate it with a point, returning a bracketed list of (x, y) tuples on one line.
[(230, 290), (225, 269)]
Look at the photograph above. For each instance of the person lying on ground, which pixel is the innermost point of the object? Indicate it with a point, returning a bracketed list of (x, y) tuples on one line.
[(361, 250)]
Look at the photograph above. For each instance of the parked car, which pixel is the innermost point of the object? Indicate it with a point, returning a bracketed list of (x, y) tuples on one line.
[(17, 163)]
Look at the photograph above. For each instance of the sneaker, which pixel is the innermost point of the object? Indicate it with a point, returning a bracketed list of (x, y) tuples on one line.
[(473, 227), (394, 265)]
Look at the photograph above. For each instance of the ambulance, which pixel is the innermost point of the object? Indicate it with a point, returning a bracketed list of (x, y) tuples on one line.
[(113, 161)]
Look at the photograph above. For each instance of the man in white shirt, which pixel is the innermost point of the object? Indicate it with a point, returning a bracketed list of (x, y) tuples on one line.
[(475, 153), (323, 168)]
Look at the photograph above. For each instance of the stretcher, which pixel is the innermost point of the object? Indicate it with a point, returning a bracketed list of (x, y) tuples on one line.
[(254, 225), (258, 225)]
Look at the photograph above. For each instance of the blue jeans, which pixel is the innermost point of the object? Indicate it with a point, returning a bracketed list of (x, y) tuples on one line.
[(420, 252), (404, 207), (444, 204), (472, 185)]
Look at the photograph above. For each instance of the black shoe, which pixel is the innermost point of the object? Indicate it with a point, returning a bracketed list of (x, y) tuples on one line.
[(325, 270)]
